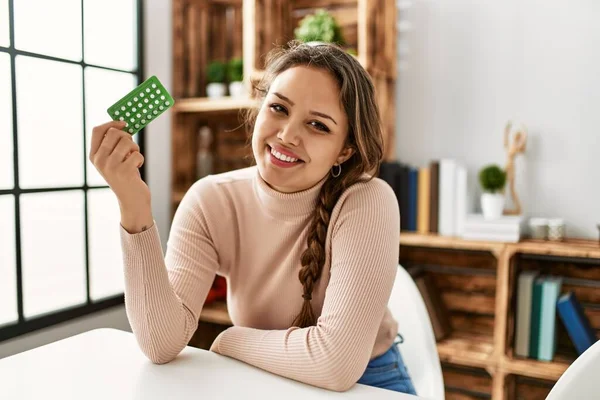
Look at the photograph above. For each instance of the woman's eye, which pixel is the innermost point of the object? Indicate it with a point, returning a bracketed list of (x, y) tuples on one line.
[(319, 126), (278, 108)]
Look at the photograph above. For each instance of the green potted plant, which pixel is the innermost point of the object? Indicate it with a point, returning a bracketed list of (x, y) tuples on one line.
[(235, 77), (215, 74), (319, 27), (492, 179)]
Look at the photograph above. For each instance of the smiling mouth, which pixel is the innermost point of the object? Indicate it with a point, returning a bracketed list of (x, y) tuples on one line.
[(284, 158)]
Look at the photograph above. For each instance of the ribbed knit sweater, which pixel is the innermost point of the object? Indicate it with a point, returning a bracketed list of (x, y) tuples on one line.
[(235, 225)]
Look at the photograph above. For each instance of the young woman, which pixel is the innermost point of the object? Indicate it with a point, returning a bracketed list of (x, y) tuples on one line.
[(307, 238)]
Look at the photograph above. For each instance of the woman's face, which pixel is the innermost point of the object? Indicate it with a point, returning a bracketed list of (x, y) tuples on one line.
[(302, 121)]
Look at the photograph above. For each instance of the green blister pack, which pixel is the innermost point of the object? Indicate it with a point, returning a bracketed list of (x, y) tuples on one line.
[(142, 105)]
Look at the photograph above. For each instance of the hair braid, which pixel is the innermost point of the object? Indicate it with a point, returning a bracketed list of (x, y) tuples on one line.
[(313, 258)]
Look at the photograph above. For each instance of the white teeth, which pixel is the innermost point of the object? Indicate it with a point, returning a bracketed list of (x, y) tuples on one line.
[(282, 157)]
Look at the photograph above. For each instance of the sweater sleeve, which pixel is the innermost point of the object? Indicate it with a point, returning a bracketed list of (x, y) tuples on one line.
[(164, 296), (334, 353)]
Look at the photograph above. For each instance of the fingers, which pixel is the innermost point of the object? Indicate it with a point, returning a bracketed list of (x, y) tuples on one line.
[(123, 149), (98, 134), (108, 145), (135, 160)]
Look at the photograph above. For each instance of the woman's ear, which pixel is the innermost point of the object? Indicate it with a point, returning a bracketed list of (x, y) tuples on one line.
[(345, 154)]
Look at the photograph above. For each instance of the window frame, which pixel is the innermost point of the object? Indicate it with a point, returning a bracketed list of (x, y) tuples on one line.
[(22, 325)]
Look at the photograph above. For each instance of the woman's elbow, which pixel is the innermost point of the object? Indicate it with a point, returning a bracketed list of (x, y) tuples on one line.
[(156, 353), (341, 385), (343, 376), (159, 359)]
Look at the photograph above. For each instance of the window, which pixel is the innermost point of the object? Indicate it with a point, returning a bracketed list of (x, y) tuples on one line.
[(61, 67)]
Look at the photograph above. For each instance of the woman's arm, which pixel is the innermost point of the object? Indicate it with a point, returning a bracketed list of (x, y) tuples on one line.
[(164, 295), (334, 353)]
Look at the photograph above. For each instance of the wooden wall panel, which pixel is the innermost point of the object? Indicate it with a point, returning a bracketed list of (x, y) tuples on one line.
[(204, 31), (466, 383)]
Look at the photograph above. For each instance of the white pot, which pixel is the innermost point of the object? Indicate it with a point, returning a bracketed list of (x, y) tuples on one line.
[(492, 205), (216, 90), (237, 89)]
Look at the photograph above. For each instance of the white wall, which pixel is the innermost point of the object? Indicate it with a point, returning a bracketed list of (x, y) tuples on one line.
[(157, 28), (474, 64)]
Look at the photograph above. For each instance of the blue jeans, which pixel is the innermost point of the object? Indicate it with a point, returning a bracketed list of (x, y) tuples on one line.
[(388, 371)]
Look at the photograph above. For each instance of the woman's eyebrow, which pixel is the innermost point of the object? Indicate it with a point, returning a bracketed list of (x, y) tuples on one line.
[(312, 112), (284, 98)]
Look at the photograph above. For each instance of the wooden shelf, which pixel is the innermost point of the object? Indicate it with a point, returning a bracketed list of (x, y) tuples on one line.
[(216, 313), (551, 370), (204, 104), (569, 248), (468, 350), (447, 242)]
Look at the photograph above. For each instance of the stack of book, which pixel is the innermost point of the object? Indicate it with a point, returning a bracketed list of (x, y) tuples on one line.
[(432, 198), (507, 228), (539, 301)]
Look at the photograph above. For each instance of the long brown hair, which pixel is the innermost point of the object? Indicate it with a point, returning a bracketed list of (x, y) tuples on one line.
[(357, 95)]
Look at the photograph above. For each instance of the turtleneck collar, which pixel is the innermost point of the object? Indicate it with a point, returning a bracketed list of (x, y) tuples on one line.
[(286, 205)]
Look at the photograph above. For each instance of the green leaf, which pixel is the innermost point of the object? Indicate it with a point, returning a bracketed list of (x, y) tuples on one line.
[(321, 27), (492, 178)]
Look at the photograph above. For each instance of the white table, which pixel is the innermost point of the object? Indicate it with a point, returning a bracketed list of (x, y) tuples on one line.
[(107, 364)]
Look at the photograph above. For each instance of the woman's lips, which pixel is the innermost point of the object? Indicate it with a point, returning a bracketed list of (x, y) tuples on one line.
[(286, 152), (280, 163)]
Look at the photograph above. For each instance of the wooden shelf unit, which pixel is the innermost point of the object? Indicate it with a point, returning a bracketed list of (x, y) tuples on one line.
[(491, 348)]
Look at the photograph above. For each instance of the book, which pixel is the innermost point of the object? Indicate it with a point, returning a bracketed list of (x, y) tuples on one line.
[(424, 198), (491, 237), (447, 194), (434, 173), (403, 185), (388, 172), (507, 228), (460, 200), (506, 224), (547, 342), (536, 314), (576, 322), (523, 319), (413, 177)]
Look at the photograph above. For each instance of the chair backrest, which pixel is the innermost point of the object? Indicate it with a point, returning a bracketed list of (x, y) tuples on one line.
[(419, 349), (581, 380)]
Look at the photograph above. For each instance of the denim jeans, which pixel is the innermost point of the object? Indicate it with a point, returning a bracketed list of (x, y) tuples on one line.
[(388, 371)]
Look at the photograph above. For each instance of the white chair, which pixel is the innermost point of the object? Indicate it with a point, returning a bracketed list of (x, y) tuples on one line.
[(419, 349), (581, 380)]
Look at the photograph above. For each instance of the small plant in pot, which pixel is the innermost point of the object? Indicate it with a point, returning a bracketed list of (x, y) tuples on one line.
[(215, 75), (319, 27), (235, 76), (492, 179)]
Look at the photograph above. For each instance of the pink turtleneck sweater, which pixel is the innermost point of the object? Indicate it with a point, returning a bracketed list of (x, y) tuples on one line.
[(236, 226)]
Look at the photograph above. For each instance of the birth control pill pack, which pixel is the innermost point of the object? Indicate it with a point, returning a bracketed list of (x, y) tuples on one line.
[(142, 105)]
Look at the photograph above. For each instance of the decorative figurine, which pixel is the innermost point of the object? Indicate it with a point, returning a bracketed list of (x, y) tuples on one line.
[(513, 146)]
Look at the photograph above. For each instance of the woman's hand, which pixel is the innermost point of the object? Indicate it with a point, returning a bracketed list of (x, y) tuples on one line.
[(118, 159)]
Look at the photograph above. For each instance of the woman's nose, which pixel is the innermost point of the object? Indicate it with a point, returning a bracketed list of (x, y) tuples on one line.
[(289, 134)]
